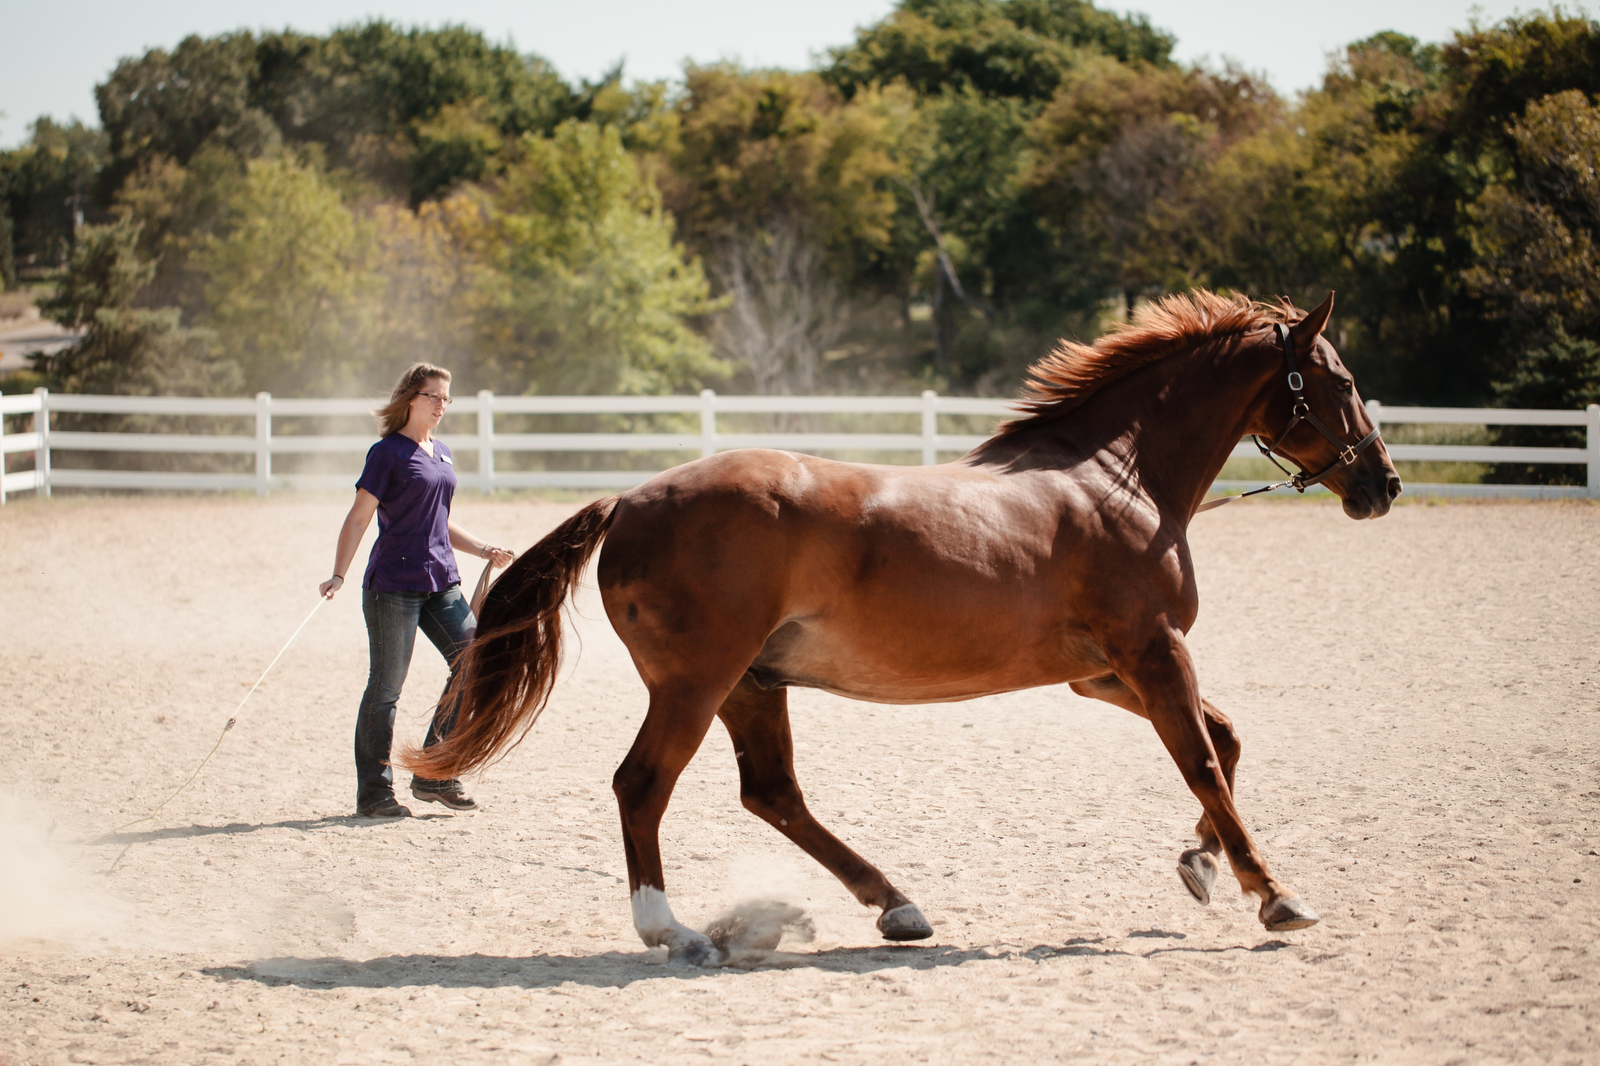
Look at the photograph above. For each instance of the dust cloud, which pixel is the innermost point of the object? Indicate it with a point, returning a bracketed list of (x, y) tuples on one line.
[(48, 887), (751, 931)]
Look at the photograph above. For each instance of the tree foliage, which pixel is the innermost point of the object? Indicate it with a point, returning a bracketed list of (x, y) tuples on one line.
[(43, 185), (935, 203), (589, 292), (1010, 48), (1537, 254), (126, 348), (288, 278)]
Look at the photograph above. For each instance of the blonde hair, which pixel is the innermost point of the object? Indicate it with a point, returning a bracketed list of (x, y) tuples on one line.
[(392, 415)]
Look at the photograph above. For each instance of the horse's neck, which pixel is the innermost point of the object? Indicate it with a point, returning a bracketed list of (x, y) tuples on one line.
[(1173, 424), (1189, 412)]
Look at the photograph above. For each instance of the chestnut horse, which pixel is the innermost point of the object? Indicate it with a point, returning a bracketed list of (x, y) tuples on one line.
[(1053, 553)]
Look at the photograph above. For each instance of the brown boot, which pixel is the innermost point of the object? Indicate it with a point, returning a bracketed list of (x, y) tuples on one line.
[(448, 793)]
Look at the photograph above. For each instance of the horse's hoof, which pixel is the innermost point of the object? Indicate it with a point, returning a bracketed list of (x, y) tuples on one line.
[(1287, 912), (1198, 870), (699, 952), (904, 922)]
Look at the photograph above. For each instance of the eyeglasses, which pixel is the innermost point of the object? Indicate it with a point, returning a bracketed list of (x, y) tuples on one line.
[(438, 400)]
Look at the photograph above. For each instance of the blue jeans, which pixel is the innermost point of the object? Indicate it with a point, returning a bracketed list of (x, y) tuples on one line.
[(392, 622)]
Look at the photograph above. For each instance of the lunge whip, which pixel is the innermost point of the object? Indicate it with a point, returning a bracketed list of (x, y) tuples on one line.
[(232, 721)]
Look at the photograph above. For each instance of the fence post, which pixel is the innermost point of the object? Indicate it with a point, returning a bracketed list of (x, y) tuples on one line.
[(263, 443), (708, 422), (1594, 451), (2, 456), (41, 458), (1375, 412), (485, 441), (930, 427)]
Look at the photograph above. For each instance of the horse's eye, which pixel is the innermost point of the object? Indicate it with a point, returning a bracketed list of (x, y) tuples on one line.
[(1347, 387)]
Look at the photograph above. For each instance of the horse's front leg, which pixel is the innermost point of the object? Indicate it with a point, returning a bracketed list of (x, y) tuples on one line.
[(1160, 672), (1198, 867)]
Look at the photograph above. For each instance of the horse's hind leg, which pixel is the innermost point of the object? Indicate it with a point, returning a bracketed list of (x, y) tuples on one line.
[(673, 729), (758, 723)]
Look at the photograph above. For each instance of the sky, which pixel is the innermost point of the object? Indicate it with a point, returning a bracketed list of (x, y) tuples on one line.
[(55, 52)]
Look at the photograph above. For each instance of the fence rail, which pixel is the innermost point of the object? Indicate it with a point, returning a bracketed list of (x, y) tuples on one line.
[(42, 441)]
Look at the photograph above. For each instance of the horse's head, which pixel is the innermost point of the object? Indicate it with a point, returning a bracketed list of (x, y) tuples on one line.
[(1314, 416)]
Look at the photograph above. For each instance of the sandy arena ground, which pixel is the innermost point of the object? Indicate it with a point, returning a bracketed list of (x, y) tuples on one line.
[(1419, 699)]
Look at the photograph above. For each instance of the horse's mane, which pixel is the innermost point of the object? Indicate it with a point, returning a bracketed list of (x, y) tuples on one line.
[(1073, 372)]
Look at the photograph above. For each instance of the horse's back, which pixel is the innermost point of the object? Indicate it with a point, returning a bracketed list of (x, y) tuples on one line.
[(736, 502)]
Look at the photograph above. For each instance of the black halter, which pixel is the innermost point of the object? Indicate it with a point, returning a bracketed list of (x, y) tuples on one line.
[(1300, 412)]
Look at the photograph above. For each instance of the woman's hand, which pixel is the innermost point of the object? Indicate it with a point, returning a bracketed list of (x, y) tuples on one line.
[(465, 542), (330, 586)]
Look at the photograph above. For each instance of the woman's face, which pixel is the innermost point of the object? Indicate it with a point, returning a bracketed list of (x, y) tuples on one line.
[(428, 406)]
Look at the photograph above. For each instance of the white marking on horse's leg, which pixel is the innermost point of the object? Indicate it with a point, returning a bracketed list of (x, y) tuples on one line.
[(652, 916), (653, 919)]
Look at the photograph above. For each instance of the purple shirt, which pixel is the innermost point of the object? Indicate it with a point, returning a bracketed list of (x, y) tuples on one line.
[(414, 490)]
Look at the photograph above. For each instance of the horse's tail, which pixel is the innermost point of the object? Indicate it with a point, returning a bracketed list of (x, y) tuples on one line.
[(503, 679)]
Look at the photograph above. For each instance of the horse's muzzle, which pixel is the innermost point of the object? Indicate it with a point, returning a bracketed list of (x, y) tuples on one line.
[(1369, 498)]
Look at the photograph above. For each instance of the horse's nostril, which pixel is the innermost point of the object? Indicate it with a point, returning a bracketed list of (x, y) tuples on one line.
[(1394, 487)]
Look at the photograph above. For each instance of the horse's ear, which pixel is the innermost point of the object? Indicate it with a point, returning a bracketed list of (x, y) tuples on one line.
[(1309, 328)]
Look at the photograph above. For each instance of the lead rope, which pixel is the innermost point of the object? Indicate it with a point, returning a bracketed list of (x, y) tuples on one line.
[(1209, 504), (232, 721), (476, 604)]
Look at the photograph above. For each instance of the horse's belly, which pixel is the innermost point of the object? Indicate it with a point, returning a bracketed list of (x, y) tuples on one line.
[(921, 665)]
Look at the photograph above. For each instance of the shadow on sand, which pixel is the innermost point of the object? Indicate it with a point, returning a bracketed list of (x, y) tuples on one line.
[(303, 825), (618, 969)]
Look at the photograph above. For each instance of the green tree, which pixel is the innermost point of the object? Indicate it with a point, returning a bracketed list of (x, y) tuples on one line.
[(755, 149), (1537, 235), (1010, 48), (412, 110), (8, 251), (1300, 204), (46, 184), (1369, 187), (288, 276), (589, 290), (169, 104), (1428, 131), (1119, 161), (1539, 267), (1494, 72), (125, 348), (966, 240), (1563, 374), (417, 110)]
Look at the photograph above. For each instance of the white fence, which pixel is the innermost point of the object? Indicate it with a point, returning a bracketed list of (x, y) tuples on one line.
[(929, 443)]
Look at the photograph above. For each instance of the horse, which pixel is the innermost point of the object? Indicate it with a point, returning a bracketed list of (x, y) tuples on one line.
[(1055, 552)]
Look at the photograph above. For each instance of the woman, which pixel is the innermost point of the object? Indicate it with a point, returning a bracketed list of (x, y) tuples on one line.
[(411, 579)]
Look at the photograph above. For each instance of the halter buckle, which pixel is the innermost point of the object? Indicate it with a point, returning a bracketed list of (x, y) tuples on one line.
[(1348, 455), (1296, 382)]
